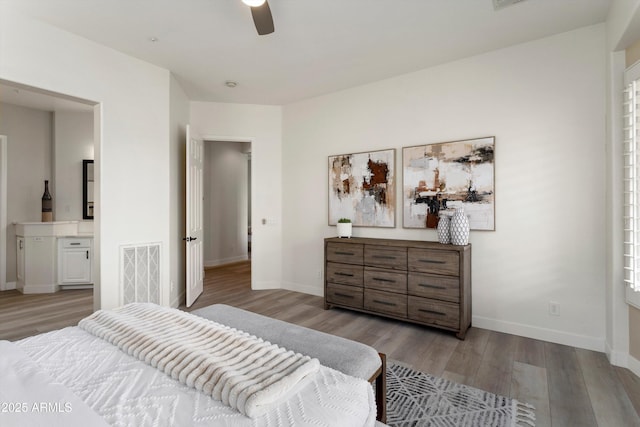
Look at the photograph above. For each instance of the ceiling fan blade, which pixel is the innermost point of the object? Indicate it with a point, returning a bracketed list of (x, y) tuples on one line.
[(262, 19)]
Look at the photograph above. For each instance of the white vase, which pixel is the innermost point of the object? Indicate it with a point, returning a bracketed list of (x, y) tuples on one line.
[(344, 229), (459, 228), (444, 235)]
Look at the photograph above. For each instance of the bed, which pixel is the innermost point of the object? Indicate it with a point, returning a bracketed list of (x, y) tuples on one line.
[(147, 365)]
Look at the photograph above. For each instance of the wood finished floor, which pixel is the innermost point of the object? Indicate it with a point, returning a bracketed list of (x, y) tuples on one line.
[(568, 386)]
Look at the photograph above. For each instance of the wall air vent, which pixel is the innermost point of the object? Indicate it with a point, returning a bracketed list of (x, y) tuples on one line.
[(501, 4), (140, 273)]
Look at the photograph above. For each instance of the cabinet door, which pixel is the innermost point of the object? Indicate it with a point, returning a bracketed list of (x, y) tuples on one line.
[(20, 259), (75, 266)]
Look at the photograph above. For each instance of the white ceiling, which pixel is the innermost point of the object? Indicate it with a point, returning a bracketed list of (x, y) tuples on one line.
[(39, 100), (319, 46)]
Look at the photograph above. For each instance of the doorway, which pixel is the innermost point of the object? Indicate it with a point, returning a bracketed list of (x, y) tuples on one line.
[(67, 131), (227, 202)]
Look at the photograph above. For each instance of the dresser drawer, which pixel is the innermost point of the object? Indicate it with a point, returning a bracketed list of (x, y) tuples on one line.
[(386, 302), (346, 253), (385, 256), (437, 287), (347, 274), (385, 280), (433, 312), (344, 295), (75, 242), (434, 261)]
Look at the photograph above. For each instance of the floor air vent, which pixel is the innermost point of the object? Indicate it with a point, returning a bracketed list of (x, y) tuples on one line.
[(140, 273)]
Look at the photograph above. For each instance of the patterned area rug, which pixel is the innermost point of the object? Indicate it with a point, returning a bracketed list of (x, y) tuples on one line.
[(417, 399)]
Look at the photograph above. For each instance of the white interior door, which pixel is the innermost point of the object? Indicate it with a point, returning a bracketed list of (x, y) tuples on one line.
[(195, 254)]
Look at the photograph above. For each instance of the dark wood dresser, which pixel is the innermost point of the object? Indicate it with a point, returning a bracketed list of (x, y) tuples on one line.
[(416, 281)]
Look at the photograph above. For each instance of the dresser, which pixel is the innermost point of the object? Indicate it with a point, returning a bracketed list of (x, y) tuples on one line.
[(427, 283)]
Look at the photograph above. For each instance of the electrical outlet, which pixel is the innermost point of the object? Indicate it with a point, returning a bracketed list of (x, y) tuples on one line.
[(320, 274), (173, 286), (554, 308)]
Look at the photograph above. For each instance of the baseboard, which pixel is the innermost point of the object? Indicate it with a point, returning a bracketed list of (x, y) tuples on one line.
[(543, 334), (224, 261), (39, 289), (265, 284), (9, 286), (616, 358), (634, 365), (178, 300), (305, 289)]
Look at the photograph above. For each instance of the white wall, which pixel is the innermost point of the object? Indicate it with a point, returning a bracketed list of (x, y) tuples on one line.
[(72, 143), (29, 137), (132, 145), (542, 100), (262, 125), (225, 202), (179, 113), (621, 32), (544, 103)]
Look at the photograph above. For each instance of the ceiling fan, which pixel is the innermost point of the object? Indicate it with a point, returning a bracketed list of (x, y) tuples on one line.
[(261, 14)]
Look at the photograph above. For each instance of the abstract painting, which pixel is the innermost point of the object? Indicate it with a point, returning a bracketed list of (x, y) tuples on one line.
[(362, 188), (438, 178)]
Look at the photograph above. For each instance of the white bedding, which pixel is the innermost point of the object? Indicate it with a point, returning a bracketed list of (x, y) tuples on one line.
[(243, 371), (128, 392), (28, 393)]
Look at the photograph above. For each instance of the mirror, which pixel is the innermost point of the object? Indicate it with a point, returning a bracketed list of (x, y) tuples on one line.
[(87, 189)]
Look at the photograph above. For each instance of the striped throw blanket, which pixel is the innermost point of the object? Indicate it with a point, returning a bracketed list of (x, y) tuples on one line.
[(242, 371)]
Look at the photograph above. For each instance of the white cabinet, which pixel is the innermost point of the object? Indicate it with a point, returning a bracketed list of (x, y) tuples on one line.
[(51, 255), (36, 264), (75, 256)]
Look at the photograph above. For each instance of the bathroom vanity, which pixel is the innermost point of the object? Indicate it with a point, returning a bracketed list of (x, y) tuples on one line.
[(54, 255)]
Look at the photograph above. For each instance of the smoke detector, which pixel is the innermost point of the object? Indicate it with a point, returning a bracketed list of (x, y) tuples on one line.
[(501, 4)]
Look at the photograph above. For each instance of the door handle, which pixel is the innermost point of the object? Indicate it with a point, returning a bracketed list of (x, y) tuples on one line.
[(87, 254), (189, 239)]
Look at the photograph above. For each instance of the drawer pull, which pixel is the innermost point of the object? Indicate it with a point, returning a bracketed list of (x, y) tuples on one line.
[(392, 304), (432, 261), (345, 253), (380, 279), (75, 243), (438, 313), (339, 273), (425, 285), (339, 294), (383, 257)]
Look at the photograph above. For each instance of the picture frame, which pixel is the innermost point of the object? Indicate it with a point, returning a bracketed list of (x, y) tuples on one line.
[(441, 177), (362, 188)]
